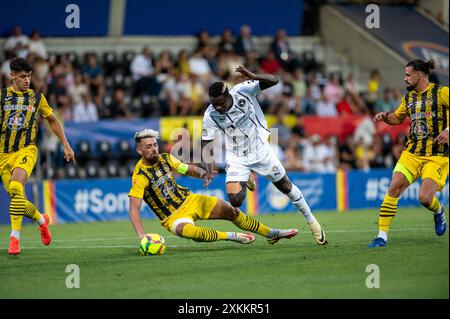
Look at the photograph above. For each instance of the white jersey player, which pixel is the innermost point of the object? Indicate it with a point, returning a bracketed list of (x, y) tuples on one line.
[(237, 115)]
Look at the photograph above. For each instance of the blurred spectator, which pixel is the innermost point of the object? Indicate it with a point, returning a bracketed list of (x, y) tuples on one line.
[(142, 71), (280, 47), (226, 43), (57, 92), (244, 42), (365, 131), (5, 71), (346, 105), (40, 68), (182, 63), (315, 155), (373, 87), (325, 107), (171, 92), (363, 154), (314, 87), (164, 63), (347, 154), (299, 83), (199, 65), (195, 96), (387, 103), (299, 129), (18, 43), (351, 85), (292, 159), (77, 89), (85, 111), (37, 46), (378, 160), (118, 109), (286, 102), (232, 61), (93, 76), (308, 103), (270, 64), (331, 151), (251, 62), (204, 43), (333, 90)]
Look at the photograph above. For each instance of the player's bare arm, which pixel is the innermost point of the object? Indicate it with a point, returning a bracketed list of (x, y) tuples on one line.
[(265, 80), (207, 160), (69, 154), (388, 118), (198, 172), (135, 215)]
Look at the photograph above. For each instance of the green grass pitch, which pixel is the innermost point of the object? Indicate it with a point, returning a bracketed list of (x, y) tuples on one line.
[(414, 265)]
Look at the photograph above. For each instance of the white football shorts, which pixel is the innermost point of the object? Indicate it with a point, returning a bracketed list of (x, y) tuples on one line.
[(269, 166)]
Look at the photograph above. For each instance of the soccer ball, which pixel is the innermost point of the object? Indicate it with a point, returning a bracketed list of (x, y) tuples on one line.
[(152, 244)]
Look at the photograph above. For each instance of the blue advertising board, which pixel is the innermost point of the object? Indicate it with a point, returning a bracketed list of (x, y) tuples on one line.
[(50, 17), (107, 199), (319, 191), (178, 17), (369, 188)]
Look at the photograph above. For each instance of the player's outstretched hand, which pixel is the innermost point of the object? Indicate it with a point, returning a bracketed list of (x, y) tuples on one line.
[(245, 73), (207, 179), (69, 154), (442, 138), (382, 116)]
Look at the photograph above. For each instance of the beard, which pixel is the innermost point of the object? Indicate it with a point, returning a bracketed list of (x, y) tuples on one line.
[(410, 88)]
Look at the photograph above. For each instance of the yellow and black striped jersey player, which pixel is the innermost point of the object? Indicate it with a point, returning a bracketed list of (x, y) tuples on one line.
[(177, 207)]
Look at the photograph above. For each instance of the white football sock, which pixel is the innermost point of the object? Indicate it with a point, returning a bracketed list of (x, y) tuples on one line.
[(15, 233), (41, 220), (382, 234), (299, 201), (231, 235)]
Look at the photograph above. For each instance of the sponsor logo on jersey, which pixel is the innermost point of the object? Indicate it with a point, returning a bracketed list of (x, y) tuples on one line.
[(15, 121), (422, 115), (15, 107), (420, 129)]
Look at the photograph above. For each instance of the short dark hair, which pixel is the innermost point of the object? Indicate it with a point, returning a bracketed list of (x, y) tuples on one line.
[(217, 89), (421, 65), (19, 65)]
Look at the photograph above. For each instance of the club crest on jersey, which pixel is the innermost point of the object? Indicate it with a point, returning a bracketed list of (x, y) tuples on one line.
[(15, 121), (241, 102), (420, 129)]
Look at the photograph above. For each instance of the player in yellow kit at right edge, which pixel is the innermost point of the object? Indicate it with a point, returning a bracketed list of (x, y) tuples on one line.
[(425, 151)]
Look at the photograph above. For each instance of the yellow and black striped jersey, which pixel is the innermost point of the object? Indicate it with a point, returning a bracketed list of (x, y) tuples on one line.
[(156, 185), (18, 118), (428, 111)]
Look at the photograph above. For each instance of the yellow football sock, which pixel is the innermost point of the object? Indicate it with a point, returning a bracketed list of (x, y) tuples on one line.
[(387, 213), (17, 205), (32, 212), (435, 205), (246, 222), (202, 234)]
